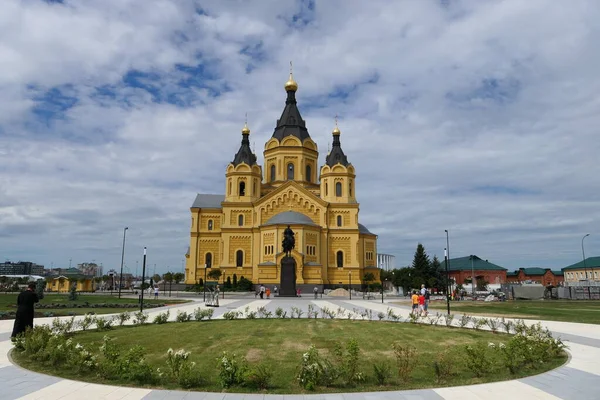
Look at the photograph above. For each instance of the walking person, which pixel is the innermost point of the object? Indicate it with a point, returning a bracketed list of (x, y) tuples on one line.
[(24, 317), (415, 301), (156, 292), (275, 291), (427, 297), (422, 305), (262, 292), (268, 292), (316, 291)]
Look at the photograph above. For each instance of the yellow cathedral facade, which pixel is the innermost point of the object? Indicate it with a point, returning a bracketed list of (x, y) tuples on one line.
[(241, 231)]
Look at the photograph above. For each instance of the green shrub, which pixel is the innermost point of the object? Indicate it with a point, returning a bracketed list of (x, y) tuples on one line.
[(87, 321), (201, 313), (176, 361), (279, 313), (183, 316), (231, 315), (140, 318), (259, 377), (406, 359), (442, 366), (477, 359), (231, 370), (189, 376), (161, 318), (464, 321), (104, 324), (348, 362), (382, 371), (311, 369), (123, 317)]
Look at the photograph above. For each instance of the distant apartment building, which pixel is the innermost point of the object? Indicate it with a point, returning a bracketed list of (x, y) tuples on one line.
[(90, 269), (21, 268)]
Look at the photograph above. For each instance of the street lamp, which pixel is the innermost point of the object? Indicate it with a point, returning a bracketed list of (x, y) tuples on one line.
[(472, 277), (122, 257), (143, 279), (447, 262), (584, 265), (204, 286), (350, 283)]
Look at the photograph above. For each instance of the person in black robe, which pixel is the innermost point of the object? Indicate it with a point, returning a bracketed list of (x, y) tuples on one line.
[(25, 302)]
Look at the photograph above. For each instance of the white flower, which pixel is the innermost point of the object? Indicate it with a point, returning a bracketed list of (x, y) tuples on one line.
[(491, 345), (502, 345)]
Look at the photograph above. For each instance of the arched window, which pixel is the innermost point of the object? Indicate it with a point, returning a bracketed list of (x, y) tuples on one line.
[(326, 189), (308, 173), (229, 188), (210, 224), (240, 220), (340, 259), (350, 188), (254, 188), (273, 173), (290, 172), (239, 258), (339, 220), (338, 189), (208, 260), (242, 191)]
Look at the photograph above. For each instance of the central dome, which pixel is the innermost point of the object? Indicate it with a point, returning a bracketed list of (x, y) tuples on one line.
[(290, 218)]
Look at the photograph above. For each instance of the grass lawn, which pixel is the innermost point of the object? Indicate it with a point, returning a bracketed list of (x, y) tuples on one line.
[(280, 343), (8, 302), (583, 311)]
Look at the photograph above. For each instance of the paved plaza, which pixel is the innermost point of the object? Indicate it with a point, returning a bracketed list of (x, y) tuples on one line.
[(578, 379)]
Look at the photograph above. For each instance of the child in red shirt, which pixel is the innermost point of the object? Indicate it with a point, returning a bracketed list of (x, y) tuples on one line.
[(422, 304)]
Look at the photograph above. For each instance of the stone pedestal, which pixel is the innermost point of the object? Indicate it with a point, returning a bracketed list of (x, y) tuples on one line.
[(287, 286)]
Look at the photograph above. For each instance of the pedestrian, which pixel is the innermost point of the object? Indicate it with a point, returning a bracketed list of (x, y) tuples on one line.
[(262, 291), (275, 291), (24, 317), (422, 305), (156, 292), (268, 291), (427, 297), (415, 301), (423, 289), (316, 291), (298, 292)]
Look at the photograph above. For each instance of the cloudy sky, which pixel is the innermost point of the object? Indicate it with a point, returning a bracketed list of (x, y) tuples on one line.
[(480, 117)]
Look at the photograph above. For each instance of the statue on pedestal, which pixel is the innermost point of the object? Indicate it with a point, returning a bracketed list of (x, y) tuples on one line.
[(288, 242)]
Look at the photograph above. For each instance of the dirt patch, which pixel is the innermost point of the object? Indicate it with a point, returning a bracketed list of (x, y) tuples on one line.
[(339, 292), (289, 345), (254, 355)]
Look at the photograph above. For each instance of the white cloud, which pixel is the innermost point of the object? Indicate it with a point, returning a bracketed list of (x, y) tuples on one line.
[(477, 117)]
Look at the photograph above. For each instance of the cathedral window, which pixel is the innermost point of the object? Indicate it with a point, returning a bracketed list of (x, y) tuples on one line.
[(210, 224), (326, 189), (229, 188), (350, 188), (340, 259), (339, 220), (254, 188), (290, 172), (239, 258), (338, 189), (273, 173), (208, 260), (242, 188), (240, 220), (308, 173)]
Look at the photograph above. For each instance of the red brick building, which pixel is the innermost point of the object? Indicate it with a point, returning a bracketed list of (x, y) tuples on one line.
[(461, 269), (544, 276)]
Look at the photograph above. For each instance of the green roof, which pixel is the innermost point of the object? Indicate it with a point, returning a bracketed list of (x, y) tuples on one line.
[(534, 271), (590, 262), (558, 273), (513, 273), (464, 264)]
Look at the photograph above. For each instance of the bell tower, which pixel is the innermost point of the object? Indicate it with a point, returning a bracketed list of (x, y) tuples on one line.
[(243, 174), (337, 175), (291, 154)]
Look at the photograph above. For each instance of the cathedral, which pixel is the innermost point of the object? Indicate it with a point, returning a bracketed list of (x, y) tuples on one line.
[(241, 231)]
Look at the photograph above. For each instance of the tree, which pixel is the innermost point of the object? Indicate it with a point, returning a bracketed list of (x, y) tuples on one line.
[(178, 277), (227, 283), (421, 264), (245, 284), (368, 278), (40, 285), (437, 278), (73, 292), (403, 278), (481, 284), (235, 281), (215, 274), (156, 278)]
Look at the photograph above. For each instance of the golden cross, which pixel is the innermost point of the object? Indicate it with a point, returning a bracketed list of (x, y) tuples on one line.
[(336, 116), (246, 119), (291, 70)]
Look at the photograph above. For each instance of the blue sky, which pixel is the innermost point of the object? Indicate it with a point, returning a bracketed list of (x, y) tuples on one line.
[(479, 117)]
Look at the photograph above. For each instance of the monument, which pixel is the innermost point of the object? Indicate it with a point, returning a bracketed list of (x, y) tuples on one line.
[(287, 285)]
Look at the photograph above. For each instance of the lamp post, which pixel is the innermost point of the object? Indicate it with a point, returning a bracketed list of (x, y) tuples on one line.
[(472, 277), (122, 258), (143, 279), (350, 283), (447, 262), (584, 265), (204, 286)]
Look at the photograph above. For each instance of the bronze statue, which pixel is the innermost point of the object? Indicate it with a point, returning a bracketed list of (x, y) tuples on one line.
[(288, 242)]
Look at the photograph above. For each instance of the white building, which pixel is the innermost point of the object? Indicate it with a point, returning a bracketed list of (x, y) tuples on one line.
[(386, 261)]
